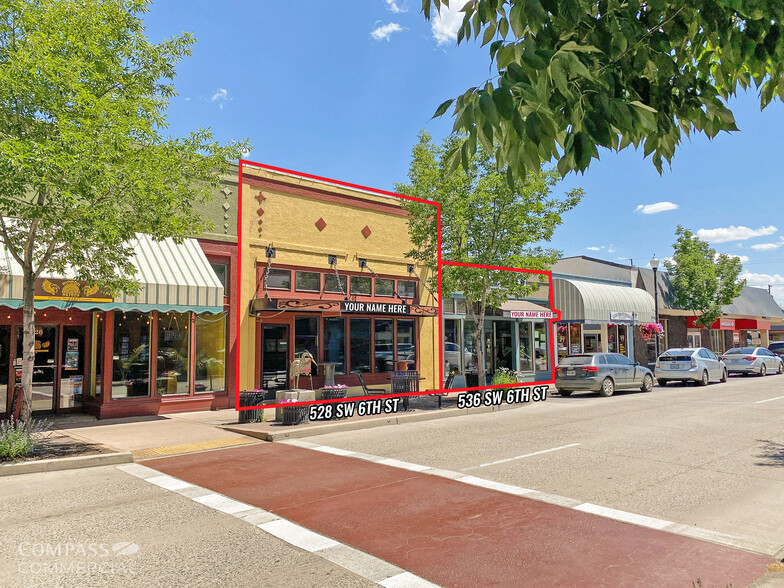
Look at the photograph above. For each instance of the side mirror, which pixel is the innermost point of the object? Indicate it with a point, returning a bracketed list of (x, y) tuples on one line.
[(636, 363)]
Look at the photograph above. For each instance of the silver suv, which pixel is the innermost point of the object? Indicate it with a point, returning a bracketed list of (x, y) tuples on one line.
[(690, 364)]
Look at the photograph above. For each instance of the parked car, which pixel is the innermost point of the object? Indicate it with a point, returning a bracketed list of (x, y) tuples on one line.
[(452, 356), (690, 364), (753, 360), (601, 372), (777, 347)]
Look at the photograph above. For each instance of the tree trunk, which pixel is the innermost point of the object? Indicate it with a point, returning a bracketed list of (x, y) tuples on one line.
[(28, 345), (480, 348)]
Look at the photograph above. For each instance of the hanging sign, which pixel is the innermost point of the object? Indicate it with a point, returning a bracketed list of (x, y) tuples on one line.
[(622, 316), (335, 308), (534, 314), (68, 290)]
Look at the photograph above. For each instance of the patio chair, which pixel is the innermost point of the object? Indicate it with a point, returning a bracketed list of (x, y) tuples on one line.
[(447, 385), (368, 391)]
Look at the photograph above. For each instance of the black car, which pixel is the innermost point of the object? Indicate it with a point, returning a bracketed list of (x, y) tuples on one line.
[(777, 347)]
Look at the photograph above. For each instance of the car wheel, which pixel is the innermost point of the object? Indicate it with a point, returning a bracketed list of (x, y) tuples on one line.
[(565, 392), (781, 368), (647, 383), (704, 381), (608, 387), (724, 376), (763, 370), (662, 382)]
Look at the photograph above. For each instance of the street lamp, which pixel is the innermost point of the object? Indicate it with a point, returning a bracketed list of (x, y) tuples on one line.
[(655, 267)]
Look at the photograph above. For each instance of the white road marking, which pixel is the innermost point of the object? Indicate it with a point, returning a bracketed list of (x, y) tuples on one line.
[(621, 515), (395, 463), (332, 450), (406, 580), (299, 536), (167, 482), (500, 487), (222, 503), (769, 399), (508, 459)]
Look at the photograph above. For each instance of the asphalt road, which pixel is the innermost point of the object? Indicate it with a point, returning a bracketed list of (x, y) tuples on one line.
[(711, 457), (113, 529)]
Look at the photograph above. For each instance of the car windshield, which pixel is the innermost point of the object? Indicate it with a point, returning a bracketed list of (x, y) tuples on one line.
[(741, 351), (577, 360)]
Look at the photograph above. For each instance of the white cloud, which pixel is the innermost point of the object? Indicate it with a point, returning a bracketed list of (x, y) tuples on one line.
[(595, 248), (447, 21), (656, 207), (768, 246), (383, 32), (743, 258), (221, 94), (733, 233), (392, 5), (611, 249), (775, 281)]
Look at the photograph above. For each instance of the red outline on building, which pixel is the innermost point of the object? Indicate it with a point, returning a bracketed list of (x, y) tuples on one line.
[(441, 263)]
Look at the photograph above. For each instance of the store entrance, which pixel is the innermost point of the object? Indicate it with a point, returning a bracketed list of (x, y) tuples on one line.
[(499, 347), (274, 359), (45, 367)]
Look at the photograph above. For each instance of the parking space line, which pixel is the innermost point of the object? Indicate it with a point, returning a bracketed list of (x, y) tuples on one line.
[(769, 399), (508, 459)]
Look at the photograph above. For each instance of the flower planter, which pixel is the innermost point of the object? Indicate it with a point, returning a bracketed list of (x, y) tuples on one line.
[(251, 398), (294, 415), (334, 393)]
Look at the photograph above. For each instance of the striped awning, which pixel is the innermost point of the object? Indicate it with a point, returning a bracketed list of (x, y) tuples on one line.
[(590, 302), (173, 277)]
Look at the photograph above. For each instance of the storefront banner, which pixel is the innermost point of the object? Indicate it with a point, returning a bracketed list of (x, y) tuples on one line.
[(68, 290), (534, 314), (351, 307), (620, 316)]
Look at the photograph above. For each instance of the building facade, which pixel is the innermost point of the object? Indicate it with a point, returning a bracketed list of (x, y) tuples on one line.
[(324, 271)]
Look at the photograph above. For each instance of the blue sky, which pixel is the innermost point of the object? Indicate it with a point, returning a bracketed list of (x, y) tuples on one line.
[(342, 93)]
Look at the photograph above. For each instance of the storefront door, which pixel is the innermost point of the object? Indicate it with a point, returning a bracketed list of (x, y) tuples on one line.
[(45, 368), (72, 359), (274, 358), (5, 366)]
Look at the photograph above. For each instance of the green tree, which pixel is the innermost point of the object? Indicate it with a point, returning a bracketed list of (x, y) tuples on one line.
[(702, 281), (83, 161), (483, 221), (575, 75)]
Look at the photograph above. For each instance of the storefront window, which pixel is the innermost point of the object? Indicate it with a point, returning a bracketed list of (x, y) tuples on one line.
[(279, 279), (173, 353), (308, 282), (306, 338), (406, 288), (504, 354), (210, 373), (222, 271), (562, 338), (335, 342), (5, 364), (406, 342), (452, 349), (526, 359), (360, 344), (469, 341), (574, 339), (541, 353), (332, 285), (384, 345), (612, 338), (622, 331), (460, 304), (717, 341), (385, 287), (360, 285), (131, 355)]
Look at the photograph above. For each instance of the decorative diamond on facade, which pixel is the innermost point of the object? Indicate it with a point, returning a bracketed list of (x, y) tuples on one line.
[(226, 206), (366, 232), (226, 191), (321, 224), (260, 197)]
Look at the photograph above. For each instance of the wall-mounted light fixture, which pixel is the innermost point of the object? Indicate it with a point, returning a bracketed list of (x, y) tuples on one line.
[(332, 259), (270, 253), (410, 268), (363, 263)]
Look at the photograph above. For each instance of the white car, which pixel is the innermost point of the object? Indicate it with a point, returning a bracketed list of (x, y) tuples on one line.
[(452, 355), (690, 364), (753, 360)]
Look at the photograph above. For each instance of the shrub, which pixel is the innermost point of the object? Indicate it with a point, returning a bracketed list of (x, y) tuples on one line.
[(506, 376), (16, 440)]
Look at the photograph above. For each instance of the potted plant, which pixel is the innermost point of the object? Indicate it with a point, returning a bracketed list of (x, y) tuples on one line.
[(651, 330), (334, 391)]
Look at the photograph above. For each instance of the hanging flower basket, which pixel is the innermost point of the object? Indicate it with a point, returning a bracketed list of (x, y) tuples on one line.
[(334, 392), (651, 330), (293, 415)]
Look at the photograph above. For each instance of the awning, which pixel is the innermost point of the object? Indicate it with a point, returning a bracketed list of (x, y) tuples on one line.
[(172, 278), (525, 309), (590, 302)]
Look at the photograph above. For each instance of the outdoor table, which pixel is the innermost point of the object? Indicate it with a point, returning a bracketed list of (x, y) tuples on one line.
[(329, 372)]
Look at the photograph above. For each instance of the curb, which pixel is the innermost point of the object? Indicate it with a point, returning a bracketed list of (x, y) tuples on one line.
[(65, 463), (338, 426)]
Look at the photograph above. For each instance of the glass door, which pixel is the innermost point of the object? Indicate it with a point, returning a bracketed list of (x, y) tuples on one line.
[(504, 345), (44, 369), (72, 367), (274, 359), (5, 366)]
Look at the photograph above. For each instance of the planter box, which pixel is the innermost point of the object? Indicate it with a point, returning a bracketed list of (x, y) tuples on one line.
[(294, 415)]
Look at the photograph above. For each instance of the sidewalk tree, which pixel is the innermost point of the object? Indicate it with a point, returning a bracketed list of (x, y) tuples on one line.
[(484, 221), (84, 164), (572, 76), (702, 281)]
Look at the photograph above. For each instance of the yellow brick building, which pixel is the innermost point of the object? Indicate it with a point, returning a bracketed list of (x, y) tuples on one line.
[(323, 269)]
